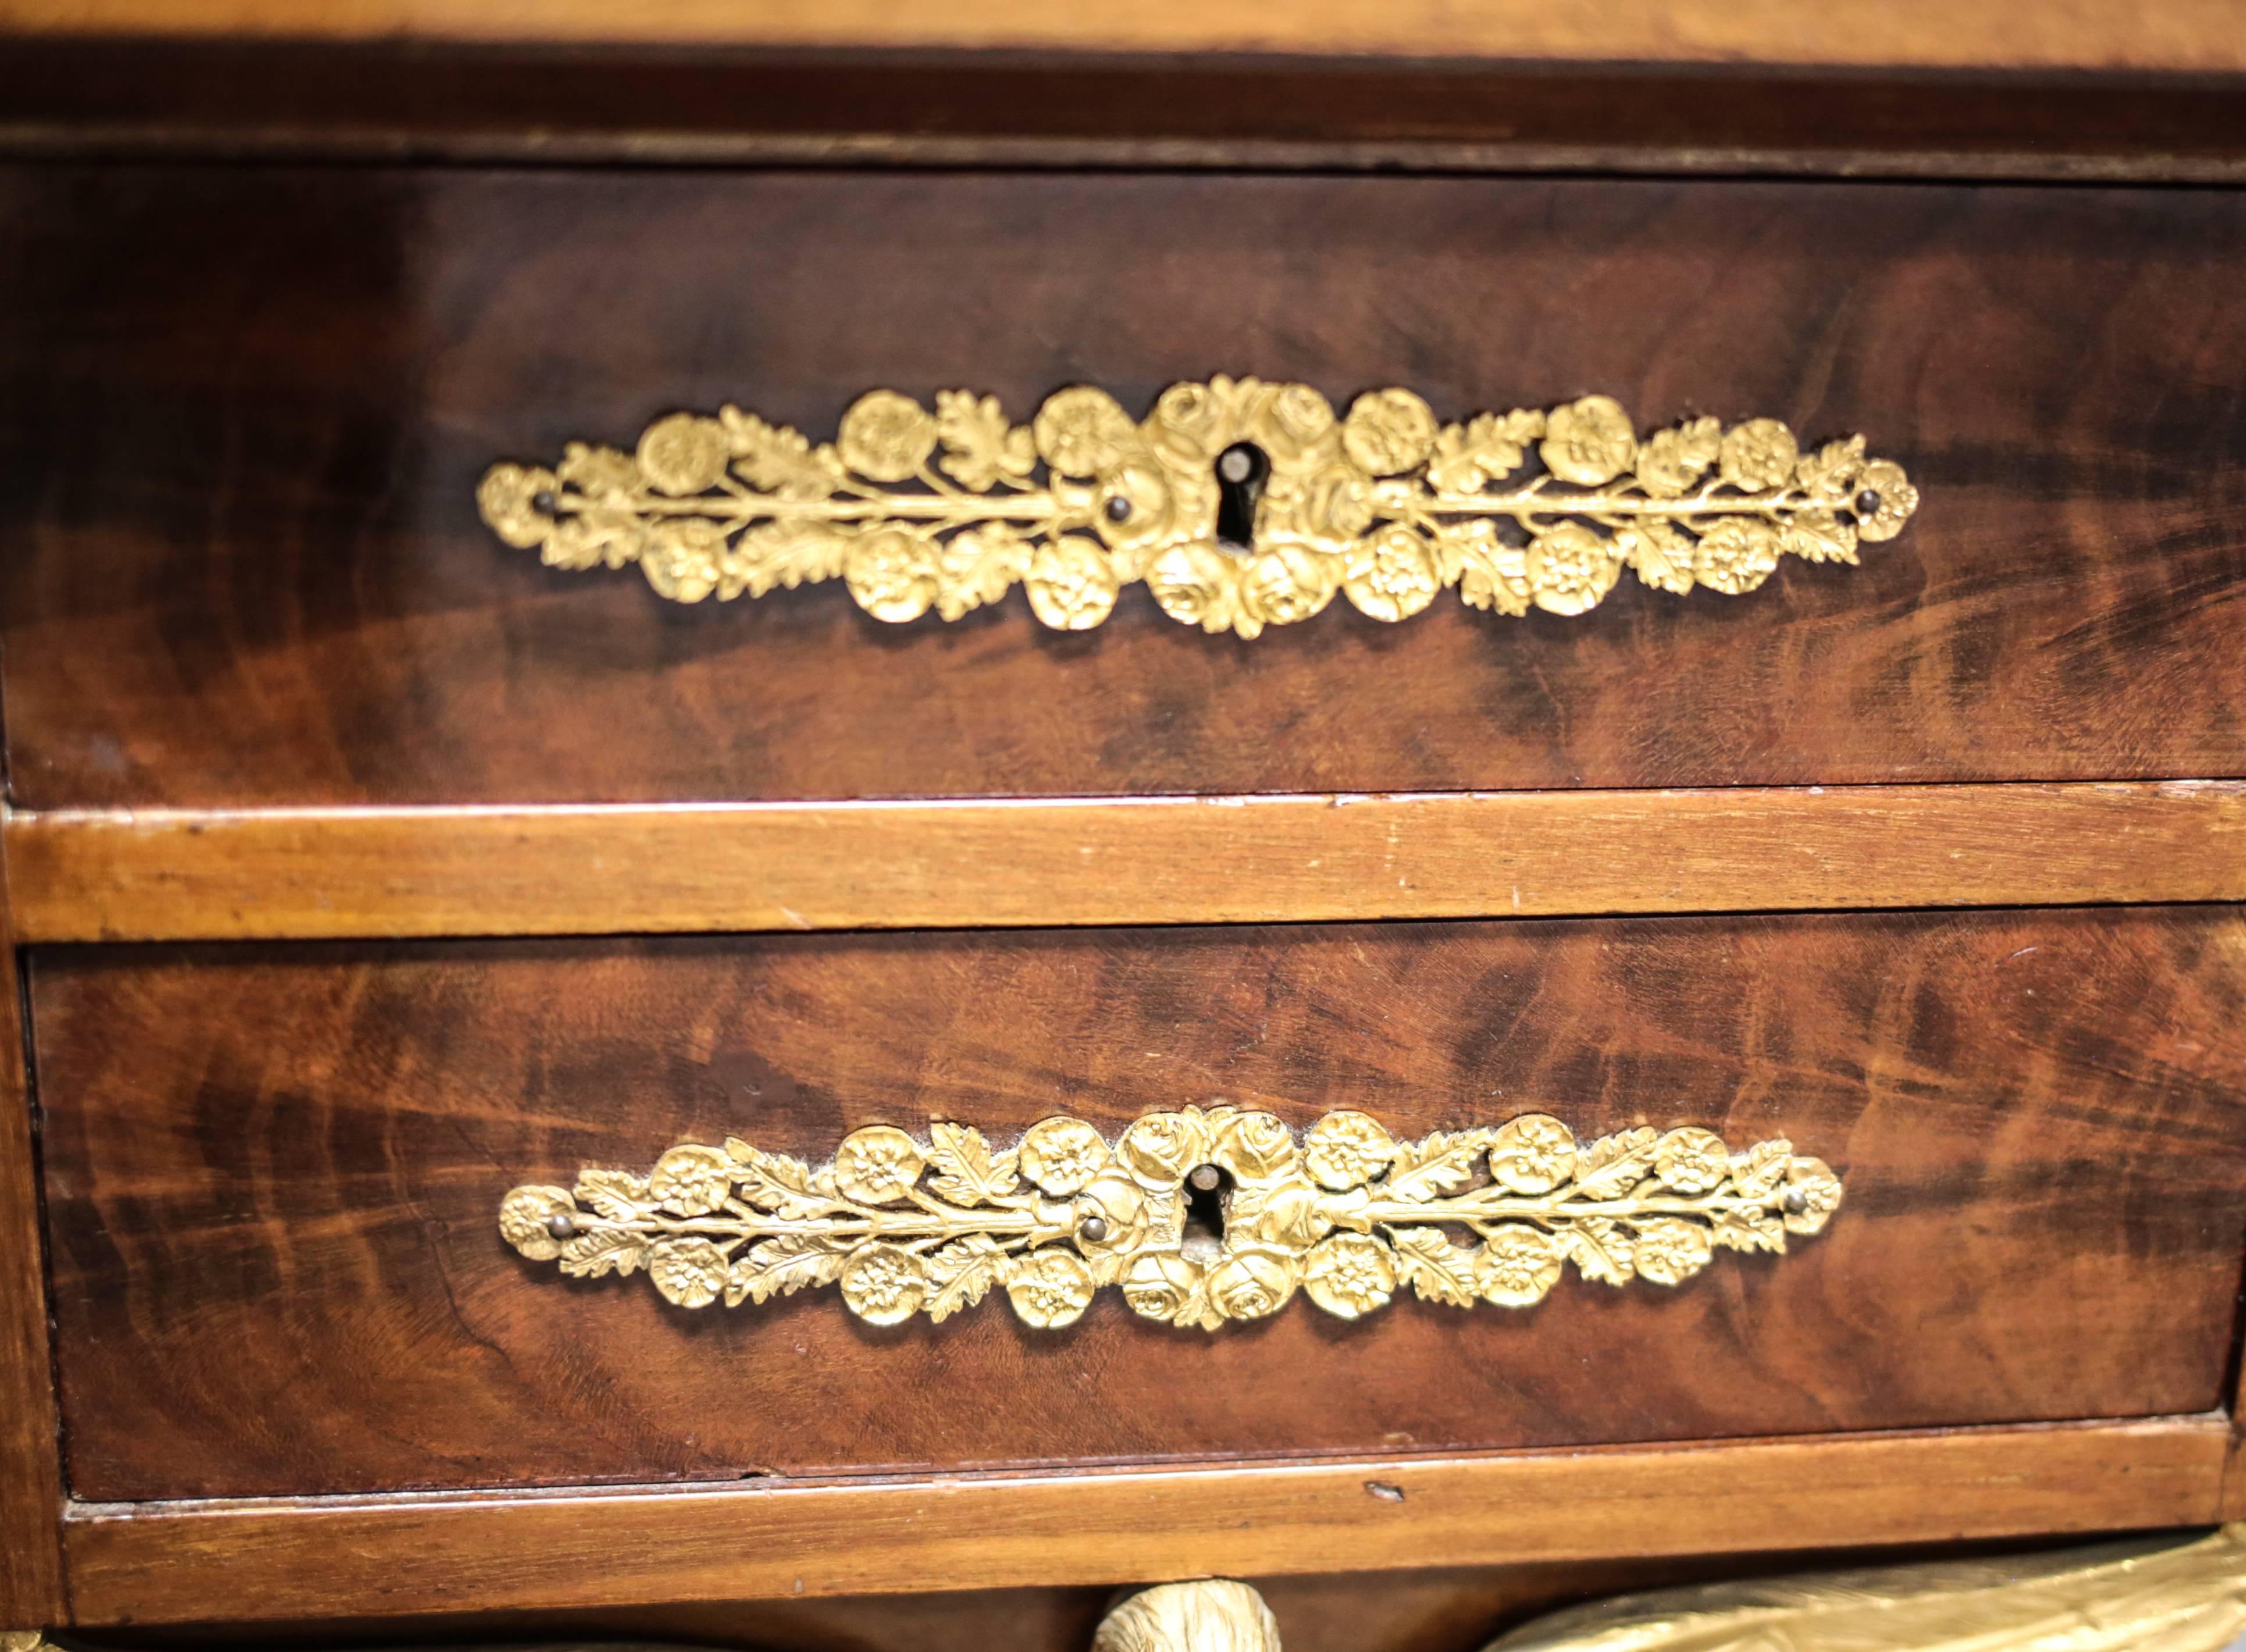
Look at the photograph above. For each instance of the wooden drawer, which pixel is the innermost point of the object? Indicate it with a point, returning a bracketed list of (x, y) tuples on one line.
[(249, 569), (273, 1175)]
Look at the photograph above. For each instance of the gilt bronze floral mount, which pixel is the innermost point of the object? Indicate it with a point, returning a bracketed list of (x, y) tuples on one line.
[(1200, 1216), (1239, 504)]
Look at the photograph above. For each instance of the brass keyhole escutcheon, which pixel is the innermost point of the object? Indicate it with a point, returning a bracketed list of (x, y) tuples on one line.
[(1242, 470)]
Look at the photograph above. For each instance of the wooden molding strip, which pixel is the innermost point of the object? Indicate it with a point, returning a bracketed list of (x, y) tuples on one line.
[(2160, 35), (628, 868), (172, 1562), (32, 1592)]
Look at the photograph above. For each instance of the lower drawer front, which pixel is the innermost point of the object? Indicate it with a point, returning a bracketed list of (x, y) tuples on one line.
[(273, 1174)]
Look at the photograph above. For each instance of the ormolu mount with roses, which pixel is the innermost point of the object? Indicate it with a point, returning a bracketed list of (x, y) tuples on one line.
[(1348, 1214), (949, 510)]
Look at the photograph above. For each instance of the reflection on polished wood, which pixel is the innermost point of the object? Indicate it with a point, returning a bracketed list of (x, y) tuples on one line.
[(308, 873), (278, 1558), (2142, 1596)]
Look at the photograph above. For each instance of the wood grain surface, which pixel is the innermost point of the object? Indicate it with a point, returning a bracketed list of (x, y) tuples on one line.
[(32, 1587), (234, 96), (273, 1175), (2188, 35), (243, 565), (374, 1557), (157, 876)]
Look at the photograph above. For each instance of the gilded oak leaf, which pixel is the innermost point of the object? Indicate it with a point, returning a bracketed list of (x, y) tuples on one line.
[(979, 566), (1819, 536), (1762, 1167), (607, 1250), (789, 554), (1439, 1164), (1601, 1249), (616, 1194), (777, 460), (963, 1272), (1438, 1270), (979, 445), (1483, 450), (1661, 554), (1750, 1230), (1832, 468), (967, 1173), (778, 1184), (782, 1267), (1613, 1165)]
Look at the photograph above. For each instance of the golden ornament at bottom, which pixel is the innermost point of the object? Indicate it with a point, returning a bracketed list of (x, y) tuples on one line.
[(1384, 505), (1346, 1214)]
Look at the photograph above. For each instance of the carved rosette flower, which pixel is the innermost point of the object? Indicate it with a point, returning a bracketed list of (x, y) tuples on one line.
[(886, 437), (1254, 1146), (1692, 1160), (1072, 583), (1735, 556), (1286, 586), (1126, 1210), (1196, 584), (894, 574), (1160, 1284), (1063, 1155), (1758, 455), (1569, 568), (1292, 424), (1393, 574), (1533, 1153), (517, 503), (1158, 1149), (1517, 1265), (883, 1284), (1893, 501), (1346, 1150), (1588, 441), (1252, 1283), (1389, 432), (1051, 1288), (685, 558), (1811, 1184), (683, 454), (878, 1164), (1082, 431), (689, 1272), (691, 1180), (1670, 1249), (1138, 504), (525, 1219), (1349, 1275)]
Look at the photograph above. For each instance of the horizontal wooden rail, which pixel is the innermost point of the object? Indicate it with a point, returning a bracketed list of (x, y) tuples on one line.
[(148, 1563), (2169, 37), (622, 869)]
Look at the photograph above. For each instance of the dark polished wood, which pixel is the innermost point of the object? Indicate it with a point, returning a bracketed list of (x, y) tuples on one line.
[(31, 1586), (388, 98), (284, 1559), (273, 1173), (243, 565)]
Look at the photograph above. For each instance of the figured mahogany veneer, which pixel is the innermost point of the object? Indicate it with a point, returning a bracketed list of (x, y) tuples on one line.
[(272, 1174), (246, 568)]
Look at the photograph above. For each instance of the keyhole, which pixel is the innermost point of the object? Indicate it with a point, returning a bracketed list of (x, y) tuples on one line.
[(1203, 1233), (1241, 469)]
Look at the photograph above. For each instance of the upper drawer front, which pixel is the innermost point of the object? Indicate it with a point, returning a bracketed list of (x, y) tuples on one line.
[(246, 410), (274, 1177)]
